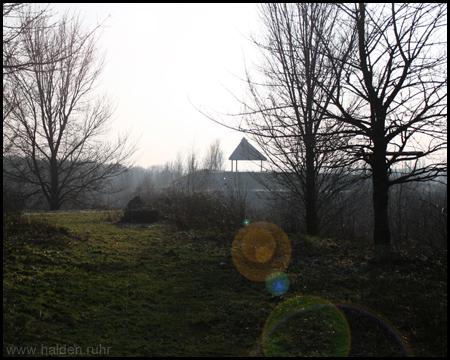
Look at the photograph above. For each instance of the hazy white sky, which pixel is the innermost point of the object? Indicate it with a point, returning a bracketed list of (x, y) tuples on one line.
[(162, 57)]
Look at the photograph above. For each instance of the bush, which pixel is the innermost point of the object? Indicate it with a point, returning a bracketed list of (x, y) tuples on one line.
[(11, 207), (198, 210), (111, 215)]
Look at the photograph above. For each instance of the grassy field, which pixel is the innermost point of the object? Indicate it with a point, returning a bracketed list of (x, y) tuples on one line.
[(77, 284)]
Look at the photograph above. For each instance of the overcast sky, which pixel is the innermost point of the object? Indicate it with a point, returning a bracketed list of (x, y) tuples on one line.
[(163, 57)]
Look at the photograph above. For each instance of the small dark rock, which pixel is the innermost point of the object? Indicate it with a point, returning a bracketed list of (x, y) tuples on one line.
[(135, 204)]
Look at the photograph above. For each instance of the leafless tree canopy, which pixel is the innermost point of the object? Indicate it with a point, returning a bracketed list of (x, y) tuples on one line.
[(19, 18), (285, 111), (214, 159), (13, 27), (393, 94), (350, 86), (58, 126), (394, 88)]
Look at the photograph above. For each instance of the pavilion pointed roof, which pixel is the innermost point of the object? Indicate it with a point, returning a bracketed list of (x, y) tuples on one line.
[(246, 151)]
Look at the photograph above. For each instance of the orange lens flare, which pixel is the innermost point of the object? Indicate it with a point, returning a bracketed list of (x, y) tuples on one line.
[(260, 249), (258, 245)]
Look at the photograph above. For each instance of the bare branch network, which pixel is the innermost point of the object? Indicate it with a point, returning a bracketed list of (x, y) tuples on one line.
[(343, 87), (56, 125)]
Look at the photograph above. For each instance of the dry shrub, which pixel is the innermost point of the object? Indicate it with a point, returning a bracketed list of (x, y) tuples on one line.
[(198, 210)]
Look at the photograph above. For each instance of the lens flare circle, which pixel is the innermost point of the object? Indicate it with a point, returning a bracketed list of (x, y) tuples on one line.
[(380, 319), (305, 326), (258, 245), (291, 329), (260, 249), (277, 283)]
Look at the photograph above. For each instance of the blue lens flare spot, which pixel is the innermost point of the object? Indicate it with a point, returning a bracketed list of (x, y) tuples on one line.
[(246, 222), (277, 283)]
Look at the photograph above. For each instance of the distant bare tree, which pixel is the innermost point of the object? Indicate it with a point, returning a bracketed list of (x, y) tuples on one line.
[(170, 171), (214, 159), (59, 125), (393, 95), (192, 165), (418, 215)]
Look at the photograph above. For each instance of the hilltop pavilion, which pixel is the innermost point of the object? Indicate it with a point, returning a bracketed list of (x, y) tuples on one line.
[(245, 152)]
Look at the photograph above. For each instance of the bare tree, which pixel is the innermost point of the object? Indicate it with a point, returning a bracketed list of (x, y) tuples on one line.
[(418, 216), (285, 113), (58, 128), (393, 93), (192, 164), (172, 170), (214, 159)]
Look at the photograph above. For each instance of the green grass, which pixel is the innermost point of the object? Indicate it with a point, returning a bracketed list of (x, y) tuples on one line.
[(77, 282)]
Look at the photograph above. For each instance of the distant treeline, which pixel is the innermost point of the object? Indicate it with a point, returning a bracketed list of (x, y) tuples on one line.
[(418, 211)]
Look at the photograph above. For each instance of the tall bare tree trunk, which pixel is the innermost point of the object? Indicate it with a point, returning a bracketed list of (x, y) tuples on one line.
[(54, 203), (310, 189), (380, 181)]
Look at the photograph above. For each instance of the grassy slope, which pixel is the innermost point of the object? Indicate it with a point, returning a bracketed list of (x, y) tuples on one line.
[(154, 291)]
